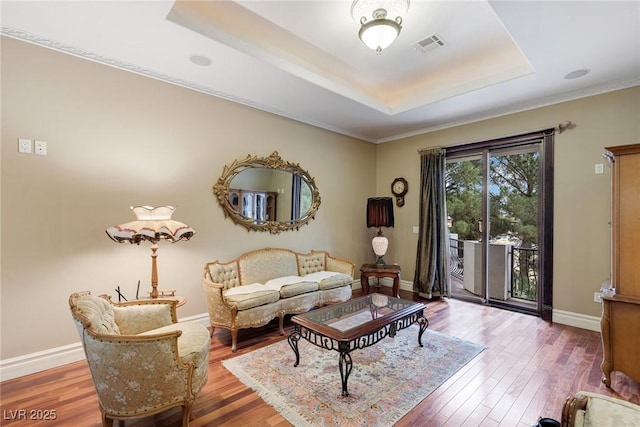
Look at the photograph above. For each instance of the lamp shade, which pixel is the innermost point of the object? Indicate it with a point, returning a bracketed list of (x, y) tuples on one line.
[(151, 224), (380, 212)]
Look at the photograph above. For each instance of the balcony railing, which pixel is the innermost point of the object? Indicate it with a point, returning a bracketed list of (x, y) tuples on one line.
[(523, 274), (456, 258)]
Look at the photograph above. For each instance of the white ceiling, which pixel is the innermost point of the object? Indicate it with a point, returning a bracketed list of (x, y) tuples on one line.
[(303, 59)]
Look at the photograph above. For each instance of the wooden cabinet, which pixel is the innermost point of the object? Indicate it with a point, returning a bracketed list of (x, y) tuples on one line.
[(259, 205), (620, 321)]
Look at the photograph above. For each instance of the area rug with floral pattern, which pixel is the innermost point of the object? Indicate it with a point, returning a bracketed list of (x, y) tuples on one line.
[(388, 379)]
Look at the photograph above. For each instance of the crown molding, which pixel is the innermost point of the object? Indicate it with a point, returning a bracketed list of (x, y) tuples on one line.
[(105, 60), (485, 115)]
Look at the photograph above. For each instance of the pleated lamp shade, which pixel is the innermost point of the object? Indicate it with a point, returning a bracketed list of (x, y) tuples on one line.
[(152, 224), (380, 214)]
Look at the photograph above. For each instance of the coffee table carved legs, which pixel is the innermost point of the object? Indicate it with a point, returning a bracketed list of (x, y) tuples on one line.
[(424, 323), (293, 342), (346, 364)]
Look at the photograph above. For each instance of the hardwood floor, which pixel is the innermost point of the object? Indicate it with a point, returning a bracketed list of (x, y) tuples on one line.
[(527, 371)]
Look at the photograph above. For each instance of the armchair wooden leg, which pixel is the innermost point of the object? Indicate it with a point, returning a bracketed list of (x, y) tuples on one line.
[(106, 422), (186, 413), (234, 339)]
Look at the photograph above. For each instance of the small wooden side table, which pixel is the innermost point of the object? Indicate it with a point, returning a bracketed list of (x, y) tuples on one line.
[(379, 271)]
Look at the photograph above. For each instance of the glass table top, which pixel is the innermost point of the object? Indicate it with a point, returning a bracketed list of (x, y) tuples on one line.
[(354, 313)]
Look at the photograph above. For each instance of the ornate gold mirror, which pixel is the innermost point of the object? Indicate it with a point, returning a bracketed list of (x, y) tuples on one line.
[(267, 194)]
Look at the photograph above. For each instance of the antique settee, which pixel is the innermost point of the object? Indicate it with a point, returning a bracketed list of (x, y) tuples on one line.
[(261, 285), (597, 410), (142, 361)]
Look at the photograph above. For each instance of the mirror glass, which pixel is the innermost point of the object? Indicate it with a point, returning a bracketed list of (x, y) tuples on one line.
[(267, 194)]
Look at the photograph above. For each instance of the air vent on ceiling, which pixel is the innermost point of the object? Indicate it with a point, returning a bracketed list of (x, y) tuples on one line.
[(430, 43)]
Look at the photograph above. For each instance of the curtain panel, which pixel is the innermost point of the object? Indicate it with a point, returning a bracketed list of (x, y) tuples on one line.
[(432, 277)]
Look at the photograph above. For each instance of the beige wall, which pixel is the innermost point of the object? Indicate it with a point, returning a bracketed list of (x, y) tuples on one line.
[(581, 202), (117, 139)]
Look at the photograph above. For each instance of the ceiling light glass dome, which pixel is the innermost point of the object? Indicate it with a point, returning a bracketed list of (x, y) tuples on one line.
[(377, 31)]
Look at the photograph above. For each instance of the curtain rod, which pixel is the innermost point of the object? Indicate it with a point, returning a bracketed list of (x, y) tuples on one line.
[(561, 127)]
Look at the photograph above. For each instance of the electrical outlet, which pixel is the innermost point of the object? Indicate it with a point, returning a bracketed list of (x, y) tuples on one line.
[(41, 147), (24, 146), (597, 297)]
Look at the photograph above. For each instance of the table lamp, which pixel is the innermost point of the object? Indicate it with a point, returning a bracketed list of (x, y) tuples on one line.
[(380, 214)]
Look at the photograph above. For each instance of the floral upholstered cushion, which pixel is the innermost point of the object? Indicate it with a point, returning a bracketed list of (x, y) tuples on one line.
[(329, 279), (100, 314), (299, 288), (193, 344), (235, 297), (290, 286), (133, 320), (604, 411)]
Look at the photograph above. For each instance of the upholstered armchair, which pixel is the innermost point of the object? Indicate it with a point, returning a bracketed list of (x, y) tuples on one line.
[(142, 361), (593, 409)]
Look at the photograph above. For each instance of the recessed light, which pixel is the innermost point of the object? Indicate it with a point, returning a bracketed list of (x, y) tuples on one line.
[(577, 74), (203, 61)]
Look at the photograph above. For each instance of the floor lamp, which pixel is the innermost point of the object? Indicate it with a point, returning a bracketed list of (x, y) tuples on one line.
[(380, 214), (151, 224)]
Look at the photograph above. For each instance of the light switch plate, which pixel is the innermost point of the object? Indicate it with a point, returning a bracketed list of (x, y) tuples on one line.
[(24, 146), (599, 168)]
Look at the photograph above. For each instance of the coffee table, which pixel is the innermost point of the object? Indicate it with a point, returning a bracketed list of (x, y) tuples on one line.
[(355, 324)]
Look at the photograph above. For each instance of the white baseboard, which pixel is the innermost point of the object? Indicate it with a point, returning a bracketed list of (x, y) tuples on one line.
[(387, 283), (591, 323), (42, 360)]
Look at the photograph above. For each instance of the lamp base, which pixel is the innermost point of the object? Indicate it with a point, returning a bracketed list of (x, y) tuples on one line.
[(380, 245), (154, 271)]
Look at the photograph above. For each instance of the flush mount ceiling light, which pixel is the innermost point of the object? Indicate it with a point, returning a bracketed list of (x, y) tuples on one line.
[(380, 20)]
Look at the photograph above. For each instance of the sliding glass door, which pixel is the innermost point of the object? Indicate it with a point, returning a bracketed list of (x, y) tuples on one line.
[(465, 194), (497, 215)]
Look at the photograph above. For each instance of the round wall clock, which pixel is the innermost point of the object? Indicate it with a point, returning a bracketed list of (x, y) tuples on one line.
[(399, 188)]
